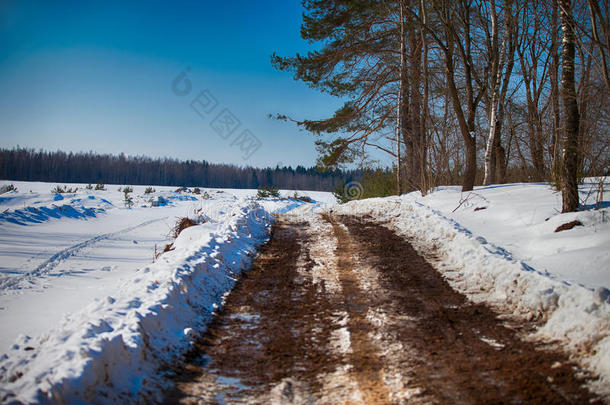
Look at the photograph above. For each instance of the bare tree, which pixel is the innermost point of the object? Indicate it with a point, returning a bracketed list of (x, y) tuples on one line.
[(401, 103), (455, 19), (556, 120), (425, 114), (569, 184), (599, 21), (535, 61), (499, 78)]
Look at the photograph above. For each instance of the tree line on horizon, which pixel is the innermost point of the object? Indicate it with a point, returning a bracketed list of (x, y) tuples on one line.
[(470, 91), (20, 164)]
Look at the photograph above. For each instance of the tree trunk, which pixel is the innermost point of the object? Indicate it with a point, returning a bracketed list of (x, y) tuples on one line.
[(496, 56), (466, 130), (471, 164), (456, 21), (556, 135), (569, 184), (425, 108), (537, 149), (402, 106), (535, 74), (398, 163), (415, 109), (399, 102), (499, 163)]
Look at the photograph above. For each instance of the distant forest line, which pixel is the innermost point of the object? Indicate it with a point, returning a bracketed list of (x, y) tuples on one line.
[(22, 164)]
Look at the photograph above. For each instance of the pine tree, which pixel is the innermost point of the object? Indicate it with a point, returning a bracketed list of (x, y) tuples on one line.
[(359, 60)]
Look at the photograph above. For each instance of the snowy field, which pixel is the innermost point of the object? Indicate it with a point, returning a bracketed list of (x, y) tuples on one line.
[(78, 282), (498, 245), (522, 218), (87, 312)]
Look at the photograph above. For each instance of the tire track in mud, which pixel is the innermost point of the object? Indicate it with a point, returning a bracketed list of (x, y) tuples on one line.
[(364, 356), (342, 310), (271, 337), (457, 351)]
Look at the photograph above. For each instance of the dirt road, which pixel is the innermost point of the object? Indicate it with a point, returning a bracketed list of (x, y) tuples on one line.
[(341, 310)]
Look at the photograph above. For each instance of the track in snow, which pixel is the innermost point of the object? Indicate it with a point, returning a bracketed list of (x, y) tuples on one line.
[(28, 279)]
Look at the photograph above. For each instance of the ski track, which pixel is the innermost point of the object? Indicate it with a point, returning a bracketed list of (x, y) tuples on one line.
[(18, 282)]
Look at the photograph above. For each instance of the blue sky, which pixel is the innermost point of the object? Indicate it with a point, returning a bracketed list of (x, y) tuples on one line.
[(92, 75)]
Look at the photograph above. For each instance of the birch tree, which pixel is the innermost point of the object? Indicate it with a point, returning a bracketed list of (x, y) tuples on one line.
[(569, 185), (497, 55)]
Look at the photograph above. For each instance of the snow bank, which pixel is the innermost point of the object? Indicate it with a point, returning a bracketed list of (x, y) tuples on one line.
[(577, 315), (41, 214), (522, 218), (115, 349), (61, 252)]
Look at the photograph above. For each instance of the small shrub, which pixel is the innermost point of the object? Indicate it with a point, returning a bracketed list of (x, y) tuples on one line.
[(58, 190), (181, 225), (63, 190), (303, 198), (89, 186), (181, 190), (128, 199), (196, 190), (7, 187), (149, 190), (100, 186), (267, 191), (205, 196), (167, 248), (340, 194), (600, 194)]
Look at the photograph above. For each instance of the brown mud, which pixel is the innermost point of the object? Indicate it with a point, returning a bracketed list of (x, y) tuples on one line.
[(390, 330)]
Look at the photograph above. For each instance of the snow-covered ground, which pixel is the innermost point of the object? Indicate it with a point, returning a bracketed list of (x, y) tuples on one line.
[(85, 312), (85, 307), (522, 218), (498, 244)]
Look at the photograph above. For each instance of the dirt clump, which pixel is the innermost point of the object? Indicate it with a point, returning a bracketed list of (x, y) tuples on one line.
[(568, 225)]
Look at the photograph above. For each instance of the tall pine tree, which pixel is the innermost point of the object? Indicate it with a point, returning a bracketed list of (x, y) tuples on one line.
[(363, 58)]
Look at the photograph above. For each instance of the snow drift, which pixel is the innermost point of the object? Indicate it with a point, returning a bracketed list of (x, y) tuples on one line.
[(115, 349)]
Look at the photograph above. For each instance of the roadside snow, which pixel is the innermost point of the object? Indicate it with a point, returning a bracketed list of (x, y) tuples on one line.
[(85, 315), (507, 254), (522, 218)]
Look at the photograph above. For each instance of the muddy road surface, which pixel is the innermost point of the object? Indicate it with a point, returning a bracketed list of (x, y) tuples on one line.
[(340, 310)]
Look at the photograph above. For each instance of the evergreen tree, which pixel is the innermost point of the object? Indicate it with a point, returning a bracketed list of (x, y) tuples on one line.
[(358, 62)]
